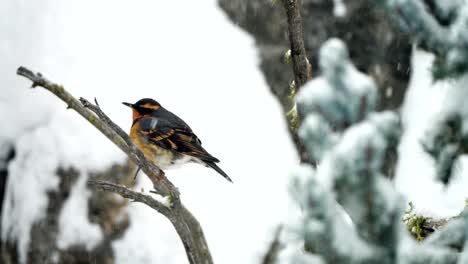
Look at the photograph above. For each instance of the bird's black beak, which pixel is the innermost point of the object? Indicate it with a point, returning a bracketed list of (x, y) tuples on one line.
[(128, 104)]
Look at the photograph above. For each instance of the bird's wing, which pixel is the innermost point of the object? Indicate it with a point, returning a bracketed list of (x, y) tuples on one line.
[(175, 136)]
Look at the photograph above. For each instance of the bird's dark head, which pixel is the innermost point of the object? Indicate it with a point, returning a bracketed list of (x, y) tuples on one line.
[(144, 107)]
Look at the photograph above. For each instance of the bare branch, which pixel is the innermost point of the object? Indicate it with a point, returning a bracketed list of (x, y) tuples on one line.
[(130, 194), (97, 110), (187, 226), (301, 65), (106, 126), (271, 255)]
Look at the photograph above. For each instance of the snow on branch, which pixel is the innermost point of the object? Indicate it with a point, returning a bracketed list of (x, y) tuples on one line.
[(464, 255), (324, 227), (445, 142), (186, 225), (357, 162), (439, 26), (342, 95), (351, 212), (330, 103)]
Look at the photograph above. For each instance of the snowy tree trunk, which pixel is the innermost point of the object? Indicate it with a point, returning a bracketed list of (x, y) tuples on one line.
[(375, 47), (46, 243)]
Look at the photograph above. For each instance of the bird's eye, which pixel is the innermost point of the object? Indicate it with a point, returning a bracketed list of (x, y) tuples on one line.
[(143, 110)]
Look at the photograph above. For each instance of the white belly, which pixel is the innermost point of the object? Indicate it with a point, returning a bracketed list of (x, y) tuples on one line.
[(166, 162), (164, 158)]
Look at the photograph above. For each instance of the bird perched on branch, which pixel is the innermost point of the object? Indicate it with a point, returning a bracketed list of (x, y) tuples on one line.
[(166, 139)]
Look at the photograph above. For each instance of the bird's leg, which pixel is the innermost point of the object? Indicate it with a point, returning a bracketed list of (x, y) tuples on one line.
[(136, 173)]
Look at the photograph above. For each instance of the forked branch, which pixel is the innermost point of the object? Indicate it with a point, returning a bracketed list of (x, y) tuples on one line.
[(186, 225)]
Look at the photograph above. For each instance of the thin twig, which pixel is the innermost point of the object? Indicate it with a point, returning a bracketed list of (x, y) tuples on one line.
[(158, 175), (271, 255), (187, 226), (130, 194), (301, 66), (106, 126), (97, 110)]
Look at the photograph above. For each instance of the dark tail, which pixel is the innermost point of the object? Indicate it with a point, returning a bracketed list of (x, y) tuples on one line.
[(218, 169)]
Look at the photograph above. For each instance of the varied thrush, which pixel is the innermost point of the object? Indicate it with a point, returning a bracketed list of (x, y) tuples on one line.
[(166, 139)]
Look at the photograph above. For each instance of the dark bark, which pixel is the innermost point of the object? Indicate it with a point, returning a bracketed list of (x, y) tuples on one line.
[(5, 158), (301, 67), (376, 48), (271, 256)]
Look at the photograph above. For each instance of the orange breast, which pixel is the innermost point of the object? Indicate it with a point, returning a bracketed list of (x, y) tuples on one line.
[(136, 138), (136, 115), (163, 158)]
